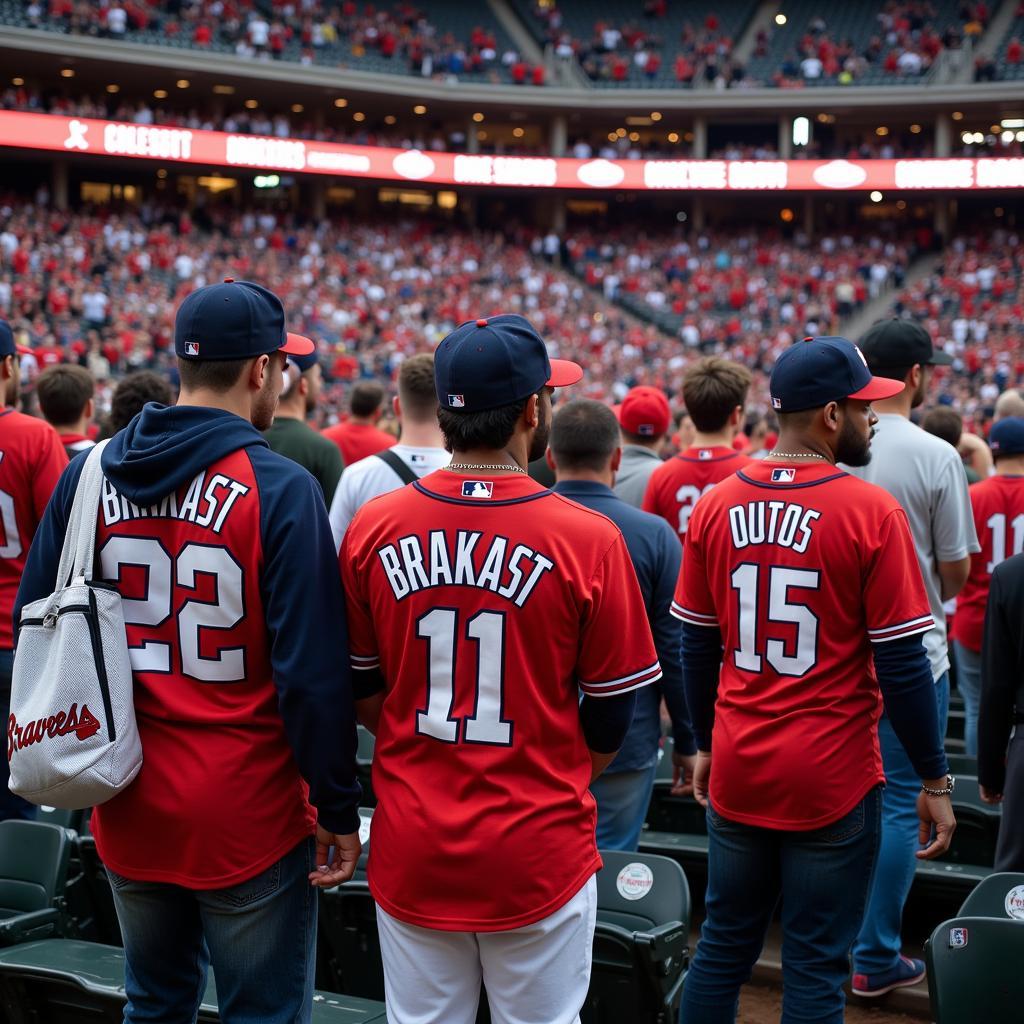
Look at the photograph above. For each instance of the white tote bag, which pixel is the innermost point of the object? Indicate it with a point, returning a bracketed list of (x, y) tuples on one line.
[(72, 739)]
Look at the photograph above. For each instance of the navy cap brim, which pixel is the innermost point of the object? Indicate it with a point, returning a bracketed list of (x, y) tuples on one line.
[(297, 345), (564, 373), (940, 358), (877, 389)]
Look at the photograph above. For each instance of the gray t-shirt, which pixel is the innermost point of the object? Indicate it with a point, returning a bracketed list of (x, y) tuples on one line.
[(638, 463), (925, 475)]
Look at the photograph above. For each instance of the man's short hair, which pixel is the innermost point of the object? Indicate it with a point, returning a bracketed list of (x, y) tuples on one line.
[(132, 393), (712, 388), (216, 375), (491, 429), (945, 423), (64, 392), (366, 398), (416, 391), (1009, 403), (584, 435)]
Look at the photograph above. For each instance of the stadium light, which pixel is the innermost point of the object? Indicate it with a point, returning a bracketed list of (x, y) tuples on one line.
[(224, 90), (1020, 136), (251, 104), (17, 81), (915, 129), (67, 72), (478, 117), (341, 102), (113, 88), (780, 19), (266, 180), (359, 116), (957, 115), (655, 116), (876, 196), (801, 131), (183, 83), (297, 108), (419, 109), (1012, 122), (518, 132), (390, 119), (1006, 137), (673, 137), (159, 94)]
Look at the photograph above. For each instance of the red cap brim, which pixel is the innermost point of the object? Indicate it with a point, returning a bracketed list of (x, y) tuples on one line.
[(564, 373), (297, 345), (878, 388)]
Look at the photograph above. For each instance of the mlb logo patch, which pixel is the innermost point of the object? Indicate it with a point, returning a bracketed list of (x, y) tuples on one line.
[(477, 488), (417, 458), (457, 401), (646, 430), (704, 454), (776, 403), (783, 476), (957, 938), (191, 348)]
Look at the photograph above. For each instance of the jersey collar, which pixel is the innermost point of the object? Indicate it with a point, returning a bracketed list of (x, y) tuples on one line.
[(719, 453), (480, 489), (790, 475)]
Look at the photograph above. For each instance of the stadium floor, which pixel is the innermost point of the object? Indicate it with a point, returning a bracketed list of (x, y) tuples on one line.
[(761, 1004)]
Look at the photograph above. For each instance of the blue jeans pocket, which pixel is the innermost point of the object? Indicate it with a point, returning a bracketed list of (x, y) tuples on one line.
[(716, 821), (845, 828), (252, 890)]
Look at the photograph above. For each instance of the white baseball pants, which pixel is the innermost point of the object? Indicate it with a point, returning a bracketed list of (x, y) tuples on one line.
[(538, 974)]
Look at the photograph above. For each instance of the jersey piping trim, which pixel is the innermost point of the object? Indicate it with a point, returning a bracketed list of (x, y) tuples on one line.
[(790, 487), (361, 662), (477, 502), (901, 629), (608, 687), (694, 618), (625, 689), (714, 458)]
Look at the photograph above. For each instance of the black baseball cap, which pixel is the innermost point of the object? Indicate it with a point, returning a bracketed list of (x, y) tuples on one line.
[(7, 344), (816, 371), (1007, 436), (495, 361), (234, 320), (899, 342)]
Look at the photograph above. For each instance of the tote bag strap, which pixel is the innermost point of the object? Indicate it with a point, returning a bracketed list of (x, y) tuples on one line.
[(76, 557)]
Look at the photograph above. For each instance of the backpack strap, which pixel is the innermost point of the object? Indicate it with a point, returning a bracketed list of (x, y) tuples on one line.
[(402, 471)]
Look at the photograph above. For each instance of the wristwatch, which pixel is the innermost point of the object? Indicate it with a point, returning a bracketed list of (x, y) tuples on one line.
[(950, 783)]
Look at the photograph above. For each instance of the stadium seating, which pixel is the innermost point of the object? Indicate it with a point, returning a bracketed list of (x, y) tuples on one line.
[(974, 971), (105, 927), (33, 872), (989, 897), (640, 941), (65, 981)]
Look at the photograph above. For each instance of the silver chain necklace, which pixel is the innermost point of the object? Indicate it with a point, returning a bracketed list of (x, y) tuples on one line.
[(795, 455), (472, 468)]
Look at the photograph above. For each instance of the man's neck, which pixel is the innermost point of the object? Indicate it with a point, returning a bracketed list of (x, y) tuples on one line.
[(515, 453), (588, 476), (896, 406), (651, 446), (802, 446), (723, 439), (1012, 466), (290, 411), (421, 435), (73, 429), (363, 421), (227, 402)]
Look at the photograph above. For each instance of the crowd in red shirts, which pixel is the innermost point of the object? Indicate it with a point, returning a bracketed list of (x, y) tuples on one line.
[(100, 287)]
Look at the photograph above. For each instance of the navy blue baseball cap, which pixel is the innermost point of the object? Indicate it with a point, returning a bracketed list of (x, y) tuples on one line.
[(1007, 436), (234, 320), (495, 361), (816, 371), (7, 345), (307, 361)]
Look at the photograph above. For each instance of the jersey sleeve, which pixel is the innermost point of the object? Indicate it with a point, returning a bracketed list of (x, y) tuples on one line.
[(953, 531), (362, 637), (616, 647), (693, 602), (895, 602), (50, 464)]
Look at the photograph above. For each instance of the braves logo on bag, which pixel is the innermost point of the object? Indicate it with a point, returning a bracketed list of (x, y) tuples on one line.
[(82, 723)]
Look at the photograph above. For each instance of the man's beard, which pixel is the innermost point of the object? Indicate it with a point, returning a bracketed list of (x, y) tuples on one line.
[(540, 436), (852, 449), (264, 407)]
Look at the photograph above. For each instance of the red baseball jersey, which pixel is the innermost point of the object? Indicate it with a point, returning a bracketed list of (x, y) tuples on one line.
[(358, 441), (212, 735), (488, 605), (32, 459), (676, 485), (998, 507), (802, 568)]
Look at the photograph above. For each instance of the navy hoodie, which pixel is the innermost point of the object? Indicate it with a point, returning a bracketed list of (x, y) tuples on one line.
[(161, 450)]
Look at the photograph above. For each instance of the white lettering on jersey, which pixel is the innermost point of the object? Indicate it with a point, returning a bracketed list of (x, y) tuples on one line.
[(205, 504), (772, 522), (409, 568)]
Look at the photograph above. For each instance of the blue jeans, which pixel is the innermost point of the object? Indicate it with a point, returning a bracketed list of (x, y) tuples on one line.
[(11, 806), (878, 945), (260, 936), (968, 681), (622, 800), (822, 877)]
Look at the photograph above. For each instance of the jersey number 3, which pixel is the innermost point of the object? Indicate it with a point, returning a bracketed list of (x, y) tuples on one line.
[(440, 628)]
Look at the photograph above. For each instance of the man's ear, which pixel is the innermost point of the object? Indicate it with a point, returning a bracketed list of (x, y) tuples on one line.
[(259, 370), (90, 409), (830, 416), (531, 413), (616, 460), (549, 458), (396, 407)]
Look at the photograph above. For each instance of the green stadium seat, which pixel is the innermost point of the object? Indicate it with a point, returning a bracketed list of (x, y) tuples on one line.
[(57, 816), (974, 971), (641, 940), (996, 896), (977, 826), (64, 981), (105, 926), (33, 872), (963, 765)]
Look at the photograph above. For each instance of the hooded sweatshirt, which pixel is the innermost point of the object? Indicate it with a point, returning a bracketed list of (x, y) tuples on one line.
[(232, 598)]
